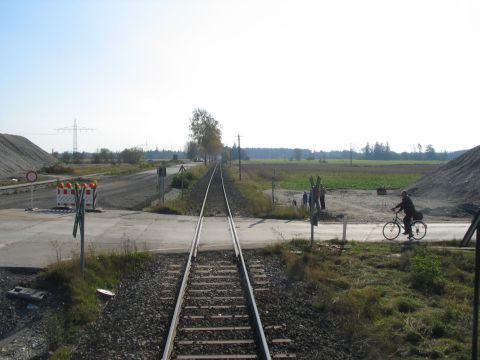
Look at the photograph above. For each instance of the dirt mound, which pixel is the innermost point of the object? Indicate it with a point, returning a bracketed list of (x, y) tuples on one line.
[(457, 181), (19, 154)]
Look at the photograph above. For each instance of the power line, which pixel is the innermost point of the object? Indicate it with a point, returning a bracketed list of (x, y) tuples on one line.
[(75, 129)]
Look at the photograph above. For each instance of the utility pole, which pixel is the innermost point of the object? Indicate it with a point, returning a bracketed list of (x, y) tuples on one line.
[(351, 155), (239, 160), (75, 129)]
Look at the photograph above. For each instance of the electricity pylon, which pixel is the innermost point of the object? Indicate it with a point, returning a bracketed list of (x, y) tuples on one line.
[(75, 129)]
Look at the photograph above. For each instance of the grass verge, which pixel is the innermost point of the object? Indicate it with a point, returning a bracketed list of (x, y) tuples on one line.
[(391, 303), (107, 169)]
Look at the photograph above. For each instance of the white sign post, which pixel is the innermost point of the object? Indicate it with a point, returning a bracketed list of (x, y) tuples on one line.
[(31, 178)]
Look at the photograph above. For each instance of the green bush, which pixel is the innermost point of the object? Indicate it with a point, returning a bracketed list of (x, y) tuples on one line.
[(58, 168), (184, 179), (407, 304), (425, 273), (62, 353)]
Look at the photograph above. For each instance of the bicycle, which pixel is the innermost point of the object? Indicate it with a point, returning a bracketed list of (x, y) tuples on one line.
[(392, 228)]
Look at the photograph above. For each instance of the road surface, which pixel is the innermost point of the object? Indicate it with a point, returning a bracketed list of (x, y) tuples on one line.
[(129, 192)]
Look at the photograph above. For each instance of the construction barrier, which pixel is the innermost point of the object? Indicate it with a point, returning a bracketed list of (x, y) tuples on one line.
[(66, 194)]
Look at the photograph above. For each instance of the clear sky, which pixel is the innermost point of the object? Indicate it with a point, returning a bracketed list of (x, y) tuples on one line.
[(320, 74)]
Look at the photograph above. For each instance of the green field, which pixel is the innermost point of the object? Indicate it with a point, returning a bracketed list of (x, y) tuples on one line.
[(339, 174), (344, 162)]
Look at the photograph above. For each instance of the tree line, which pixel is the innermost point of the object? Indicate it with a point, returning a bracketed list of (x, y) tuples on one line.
[(205, 144), (103, 156), (378, 151)]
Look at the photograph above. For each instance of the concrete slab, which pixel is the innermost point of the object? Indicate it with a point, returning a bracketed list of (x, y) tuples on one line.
[(42, 237)]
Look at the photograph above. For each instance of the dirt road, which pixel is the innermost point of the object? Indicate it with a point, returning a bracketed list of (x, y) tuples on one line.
[(365, 206)]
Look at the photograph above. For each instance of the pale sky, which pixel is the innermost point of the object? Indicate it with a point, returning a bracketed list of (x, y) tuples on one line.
[(320, 74)]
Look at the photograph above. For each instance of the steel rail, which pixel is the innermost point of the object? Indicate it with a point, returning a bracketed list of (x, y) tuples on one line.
[(247, 285), (181, 294)]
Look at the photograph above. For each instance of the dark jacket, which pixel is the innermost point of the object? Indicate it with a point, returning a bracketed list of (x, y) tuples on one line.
[(407, 206)]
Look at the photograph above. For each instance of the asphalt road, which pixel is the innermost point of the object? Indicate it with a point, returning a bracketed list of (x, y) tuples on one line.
[(126, 192)]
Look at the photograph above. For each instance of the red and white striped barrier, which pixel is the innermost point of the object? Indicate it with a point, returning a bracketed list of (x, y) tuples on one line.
[(66, 194)]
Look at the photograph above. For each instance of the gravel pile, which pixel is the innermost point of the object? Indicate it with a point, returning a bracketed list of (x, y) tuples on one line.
[(19, 155), (458, 179)]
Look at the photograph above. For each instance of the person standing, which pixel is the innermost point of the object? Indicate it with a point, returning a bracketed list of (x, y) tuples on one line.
[(316, 197), (305, 199), (323, 190), (409, 209)]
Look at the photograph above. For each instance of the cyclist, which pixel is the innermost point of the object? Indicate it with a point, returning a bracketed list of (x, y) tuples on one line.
[(407, 206)]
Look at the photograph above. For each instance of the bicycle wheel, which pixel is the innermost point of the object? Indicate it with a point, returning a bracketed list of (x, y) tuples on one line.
[(391, 230), (419, 229)]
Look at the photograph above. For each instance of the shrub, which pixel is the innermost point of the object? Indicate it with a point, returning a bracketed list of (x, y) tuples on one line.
[(425, 273), (407, 304), (184, 179), (62, 353), (58, 168)]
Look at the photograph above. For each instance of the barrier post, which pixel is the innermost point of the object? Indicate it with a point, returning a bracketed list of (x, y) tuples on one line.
[(80, 220)]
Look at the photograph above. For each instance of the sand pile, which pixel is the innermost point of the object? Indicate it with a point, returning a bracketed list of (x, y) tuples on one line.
[(18, 155)]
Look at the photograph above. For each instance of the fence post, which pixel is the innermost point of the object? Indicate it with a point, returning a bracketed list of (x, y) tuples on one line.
[(475, 296)]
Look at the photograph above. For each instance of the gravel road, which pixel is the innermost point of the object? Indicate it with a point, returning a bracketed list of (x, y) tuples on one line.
[(365, 206)]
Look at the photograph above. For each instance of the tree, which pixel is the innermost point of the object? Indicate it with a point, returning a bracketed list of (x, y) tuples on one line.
[(377, 150), (205, 131), (192, 150), (419, 151), (132, 155), (430, 152), (368, 151), (106, 155), (77, 157), (66, 157), (297, 154)]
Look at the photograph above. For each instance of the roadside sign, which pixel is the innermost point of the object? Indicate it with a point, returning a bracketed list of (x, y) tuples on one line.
[(162, 171), (31, 176)]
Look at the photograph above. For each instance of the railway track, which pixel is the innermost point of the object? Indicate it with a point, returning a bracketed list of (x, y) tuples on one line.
[(216, 316)]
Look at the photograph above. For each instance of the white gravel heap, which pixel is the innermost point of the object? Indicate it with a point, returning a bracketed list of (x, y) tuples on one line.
[(18, 155)]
